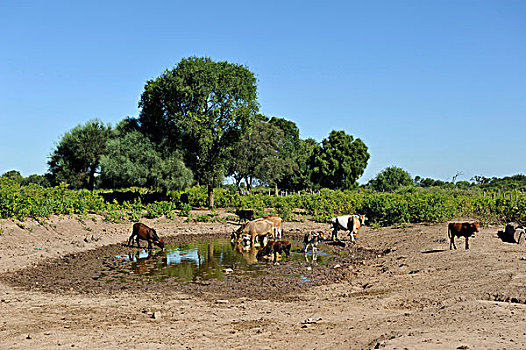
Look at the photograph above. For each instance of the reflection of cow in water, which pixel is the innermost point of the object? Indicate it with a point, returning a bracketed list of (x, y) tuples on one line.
[(147, 263), (275, 247), (248, 252)]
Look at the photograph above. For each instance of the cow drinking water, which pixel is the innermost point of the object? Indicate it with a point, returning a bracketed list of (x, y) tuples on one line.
[(141, 231)]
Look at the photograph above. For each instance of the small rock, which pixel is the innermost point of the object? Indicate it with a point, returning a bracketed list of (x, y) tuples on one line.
[(156, 315), (309, 268), (228, 270), (336, 266), (28, 337), (222, 301), (523, 258)]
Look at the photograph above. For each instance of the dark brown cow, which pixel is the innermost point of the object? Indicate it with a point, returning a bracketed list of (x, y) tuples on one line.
[(275, 247), (461, 229), (141, 231)]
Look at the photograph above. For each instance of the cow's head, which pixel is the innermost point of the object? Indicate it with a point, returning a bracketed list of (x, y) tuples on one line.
[(362, 219), (266, 250), (321, 235), (159, 243), (475, 226)]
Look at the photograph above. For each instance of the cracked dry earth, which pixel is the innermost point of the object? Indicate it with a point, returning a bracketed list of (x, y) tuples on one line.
[(400, 288)]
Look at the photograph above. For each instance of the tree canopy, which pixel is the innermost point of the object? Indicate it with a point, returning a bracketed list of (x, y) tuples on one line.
[(133, 160), (340, 162), (201, 108), (390, 179), (76, 158)]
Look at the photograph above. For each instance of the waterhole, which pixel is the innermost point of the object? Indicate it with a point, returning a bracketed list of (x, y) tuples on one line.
[(210, 259)]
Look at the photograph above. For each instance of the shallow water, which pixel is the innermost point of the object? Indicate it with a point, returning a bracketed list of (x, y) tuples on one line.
[(203, 260)]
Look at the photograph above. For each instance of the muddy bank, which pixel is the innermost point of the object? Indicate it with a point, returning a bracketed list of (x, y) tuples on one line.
[(102, 271)]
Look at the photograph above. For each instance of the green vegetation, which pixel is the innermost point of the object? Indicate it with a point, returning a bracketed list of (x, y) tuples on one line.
[(414, 206)]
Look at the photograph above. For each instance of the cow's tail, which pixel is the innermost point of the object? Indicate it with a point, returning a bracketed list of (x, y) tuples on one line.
[(449, 232)]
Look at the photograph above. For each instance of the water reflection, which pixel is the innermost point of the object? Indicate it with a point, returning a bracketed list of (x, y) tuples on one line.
[(202, 261), (194, 261)]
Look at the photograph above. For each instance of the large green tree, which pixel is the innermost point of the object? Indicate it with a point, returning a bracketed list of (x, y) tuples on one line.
[(390, 179), (341, 161), (200, 107), (76, 158)]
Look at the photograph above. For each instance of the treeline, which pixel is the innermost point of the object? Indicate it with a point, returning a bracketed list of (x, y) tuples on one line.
[(34, 201), (198, 124)]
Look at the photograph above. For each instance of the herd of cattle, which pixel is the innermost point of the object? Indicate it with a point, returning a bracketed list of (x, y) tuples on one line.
[(266, 233)]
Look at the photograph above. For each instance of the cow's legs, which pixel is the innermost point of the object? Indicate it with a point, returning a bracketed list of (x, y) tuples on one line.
[(452, 242), (351, 234), (335, 234), (130, 240), (138, 244), (305, 246), (149, 244), (467, 245)]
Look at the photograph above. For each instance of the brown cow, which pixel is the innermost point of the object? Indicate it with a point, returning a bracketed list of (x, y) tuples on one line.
[(275, 247), (141, 231), (461, 229), (256, 229)]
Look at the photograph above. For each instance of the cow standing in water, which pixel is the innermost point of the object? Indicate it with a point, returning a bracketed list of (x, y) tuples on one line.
[(461, 229), (141, 231)]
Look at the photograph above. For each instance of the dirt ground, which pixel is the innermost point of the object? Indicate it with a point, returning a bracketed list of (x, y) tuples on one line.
[(399, 288)]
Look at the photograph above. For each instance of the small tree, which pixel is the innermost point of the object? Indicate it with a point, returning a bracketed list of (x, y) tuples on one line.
[(341, 162), (132, 160), (76, 158), (13, 175), (390, 179)]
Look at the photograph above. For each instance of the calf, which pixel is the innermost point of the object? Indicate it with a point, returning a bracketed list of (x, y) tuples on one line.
[(312, 239), (275, 247), (141, 231), (461, 229)]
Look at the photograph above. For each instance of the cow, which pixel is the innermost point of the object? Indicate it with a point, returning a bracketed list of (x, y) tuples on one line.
[(312, 239), (141, 231), (461, 229), (257, 229), (351, 223), (275, 247), (245, 214), (278, 225)]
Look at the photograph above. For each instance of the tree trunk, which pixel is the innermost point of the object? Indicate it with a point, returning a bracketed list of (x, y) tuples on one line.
[(276, 189), (91, 181), (249, 183), (210, 196)]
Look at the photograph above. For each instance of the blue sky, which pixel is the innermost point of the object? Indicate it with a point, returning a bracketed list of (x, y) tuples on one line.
[(434, 87)]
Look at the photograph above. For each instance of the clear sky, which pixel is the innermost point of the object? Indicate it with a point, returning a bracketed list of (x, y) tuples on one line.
[(434, 87)]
